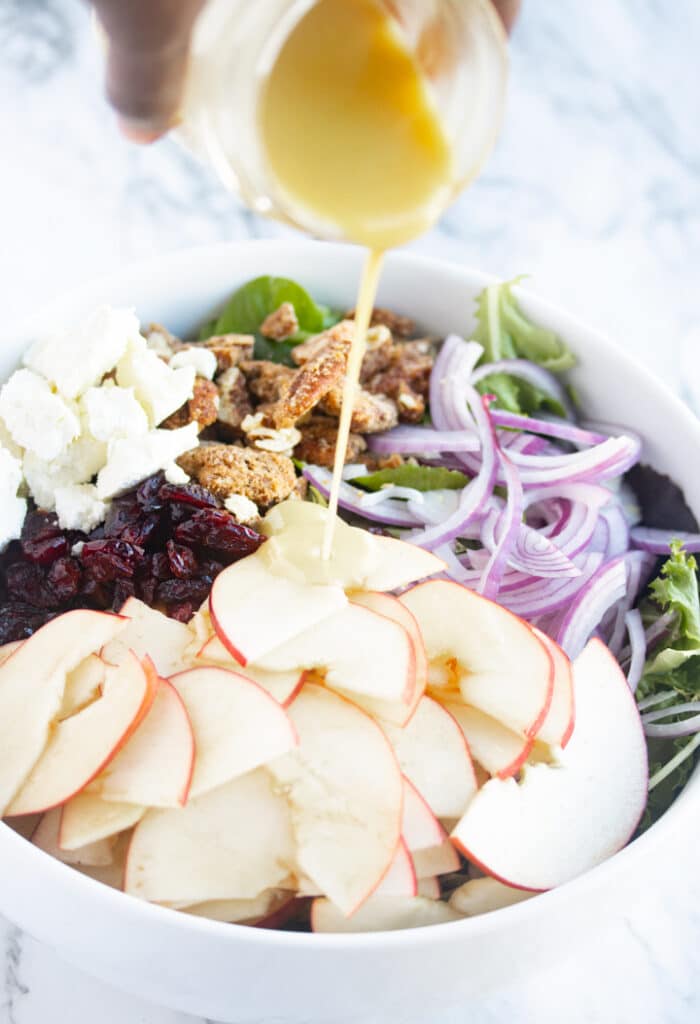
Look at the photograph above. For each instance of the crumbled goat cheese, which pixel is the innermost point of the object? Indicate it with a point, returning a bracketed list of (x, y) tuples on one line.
[(245, 510), (175, 474), (35, 417), (159, 389), (203, 360), (130, 460), (79, 508), (12, 508), (78, 464), (78, 357), (112, 412)]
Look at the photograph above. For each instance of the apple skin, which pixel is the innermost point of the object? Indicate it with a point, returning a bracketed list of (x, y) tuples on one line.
[(512, 751), (86, 818), (603, 769), (558, 725)]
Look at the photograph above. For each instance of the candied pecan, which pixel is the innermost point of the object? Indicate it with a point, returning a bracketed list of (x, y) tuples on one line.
[(229, 349), (234, 402), (161, 341), (202, 408), (402, 326), (410, 403), (264, 477), (314, 379), (371, 413), (267, 381), (378, 354), (307, 350), (318, 440), (281, 324)]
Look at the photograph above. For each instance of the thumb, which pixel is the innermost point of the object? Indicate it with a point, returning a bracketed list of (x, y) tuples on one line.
[(148, 44)]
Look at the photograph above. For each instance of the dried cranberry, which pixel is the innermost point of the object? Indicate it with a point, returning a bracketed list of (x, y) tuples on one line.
[(39, 525), (63, 578), (178, 512), (148, 495), (218, 530), (182, 612), (189, 494), (27, 583), (107, 560), (210, 568), (123, 590), (183, 561), (177, 591), (146, 589), (143, 531), (19, 620), (45, 551), (160, 566), (120, 515), (95, 594)]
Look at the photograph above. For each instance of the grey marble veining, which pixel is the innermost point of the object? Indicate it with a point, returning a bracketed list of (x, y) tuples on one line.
[(594, 189)]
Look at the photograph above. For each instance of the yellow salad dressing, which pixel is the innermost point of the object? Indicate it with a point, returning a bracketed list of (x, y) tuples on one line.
[(350, 133)]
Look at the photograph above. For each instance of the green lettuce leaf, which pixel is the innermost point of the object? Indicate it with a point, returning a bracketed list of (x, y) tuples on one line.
[(676, 589), (420, 478)]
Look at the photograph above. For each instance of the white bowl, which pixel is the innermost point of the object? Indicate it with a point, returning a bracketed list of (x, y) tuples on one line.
[(232, 973)]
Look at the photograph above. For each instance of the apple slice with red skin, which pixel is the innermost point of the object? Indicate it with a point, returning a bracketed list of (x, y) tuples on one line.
[(400, 879), (398, 712), (562, 820), (80, 747), (149, 632), (233, 842), (7, 649), (506, 670), (434, 756), (97, 854), (558, 725), (253, 611), (283, 686), (83, 685), (154, 768), (381, 914), (496, 748), (482, 895), (360, 652), (237, 725), (345, 792), (427, 841), (32, 683), (87, 818), (249, 911)]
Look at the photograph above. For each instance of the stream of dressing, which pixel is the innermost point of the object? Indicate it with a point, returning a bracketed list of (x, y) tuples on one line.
[(351, 132)]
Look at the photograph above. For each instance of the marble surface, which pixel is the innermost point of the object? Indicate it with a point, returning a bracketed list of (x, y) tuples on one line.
[(594, 190)]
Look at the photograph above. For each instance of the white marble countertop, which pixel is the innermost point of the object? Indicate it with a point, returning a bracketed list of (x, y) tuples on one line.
[(594, 190)]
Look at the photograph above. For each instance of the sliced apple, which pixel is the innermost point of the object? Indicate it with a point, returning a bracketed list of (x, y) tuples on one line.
[(482, 895), (82, 685), (237, 725), (87, 818), (358, 560), (398, 712), (498, 749), (381, 914), (79, 748), (561, 820), (97, 854), (558, 725), (268, 902), (254, 611), (283, 686), (231, 843), (7, 649), (32, 682), (360, 652), (149, 632), (400, 879), (345, 791), (434, 756), (429, 888), (505, 669), (430, 848), (154, 768), (111, 874)]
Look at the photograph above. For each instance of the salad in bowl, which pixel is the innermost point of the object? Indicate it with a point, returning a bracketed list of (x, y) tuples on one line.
[(204, 712)]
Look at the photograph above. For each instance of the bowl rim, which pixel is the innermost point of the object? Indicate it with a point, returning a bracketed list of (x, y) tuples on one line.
[(528, 910)]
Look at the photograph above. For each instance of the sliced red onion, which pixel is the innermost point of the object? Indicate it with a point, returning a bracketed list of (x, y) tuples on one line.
[(673, 730), (546, 597), (389, 511), (476, 494), (533, 553), (659, 541), (507, 529), (550, 428), (656, 698), (423, 441), (638, 647), (605, 588), (618, 529), (637, 566), (455, 570), (530, 372), (456, 357), (435, 506), (609, 459)]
